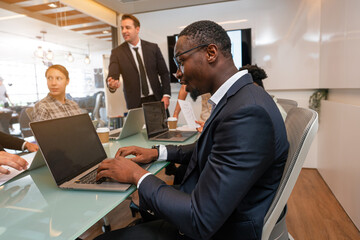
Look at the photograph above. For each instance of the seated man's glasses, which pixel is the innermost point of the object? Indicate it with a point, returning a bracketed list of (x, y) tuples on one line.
[(180, 64)]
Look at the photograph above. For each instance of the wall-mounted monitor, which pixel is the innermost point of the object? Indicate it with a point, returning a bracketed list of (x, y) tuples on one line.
[(240, 49)]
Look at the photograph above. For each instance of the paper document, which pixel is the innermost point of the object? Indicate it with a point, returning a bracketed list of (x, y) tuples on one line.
[(188, 112), (13, 172)]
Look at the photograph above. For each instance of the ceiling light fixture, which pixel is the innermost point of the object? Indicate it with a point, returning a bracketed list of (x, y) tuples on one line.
[(87, 59), (52, 5), (39, 52), (49, 55), (70, 57)]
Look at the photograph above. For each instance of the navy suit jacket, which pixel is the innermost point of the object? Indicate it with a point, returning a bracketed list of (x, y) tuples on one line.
[(234, 169), (122, 62)]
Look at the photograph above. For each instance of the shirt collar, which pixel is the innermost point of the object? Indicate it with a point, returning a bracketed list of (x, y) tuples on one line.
[(219, 94), (138, 45)]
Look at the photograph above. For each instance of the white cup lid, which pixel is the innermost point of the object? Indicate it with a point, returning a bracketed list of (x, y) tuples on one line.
[(102, 130), (172, 119)]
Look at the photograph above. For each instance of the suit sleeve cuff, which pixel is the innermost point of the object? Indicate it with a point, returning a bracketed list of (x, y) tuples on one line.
[(23, 146), (162, 153), (142, 178), (167, 95)]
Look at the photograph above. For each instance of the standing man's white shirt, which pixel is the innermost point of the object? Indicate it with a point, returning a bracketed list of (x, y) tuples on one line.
[(138, 45)]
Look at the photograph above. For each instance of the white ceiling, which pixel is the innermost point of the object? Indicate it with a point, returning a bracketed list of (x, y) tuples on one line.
[(21, 32), (141, 6)]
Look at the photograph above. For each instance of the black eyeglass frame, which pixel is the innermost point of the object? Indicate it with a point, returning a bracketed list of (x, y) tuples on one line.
[(178, 65)]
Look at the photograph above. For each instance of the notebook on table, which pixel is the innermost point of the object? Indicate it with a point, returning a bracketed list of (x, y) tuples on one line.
[(133, 124), (72, 151), (156, 124)]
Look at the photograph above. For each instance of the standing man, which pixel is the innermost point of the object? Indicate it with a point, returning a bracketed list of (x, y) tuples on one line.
[(140, 63), (234, 168)]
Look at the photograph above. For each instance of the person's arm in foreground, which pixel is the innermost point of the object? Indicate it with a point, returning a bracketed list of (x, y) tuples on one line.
[(11, 160)]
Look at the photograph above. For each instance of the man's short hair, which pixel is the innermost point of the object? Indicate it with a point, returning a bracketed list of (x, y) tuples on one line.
[(257, 73), (208, 32), (132, 17)]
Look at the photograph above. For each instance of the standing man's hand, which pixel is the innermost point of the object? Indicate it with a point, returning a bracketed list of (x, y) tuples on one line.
[(166, 101), (113, 84)]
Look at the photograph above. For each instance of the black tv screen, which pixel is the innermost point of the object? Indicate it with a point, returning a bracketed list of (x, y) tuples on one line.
[(240, 49)]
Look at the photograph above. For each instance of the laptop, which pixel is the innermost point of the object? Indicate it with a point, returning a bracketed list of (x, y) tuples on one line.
[(157, 127), (34, 159), (133, 124), (72, 151)]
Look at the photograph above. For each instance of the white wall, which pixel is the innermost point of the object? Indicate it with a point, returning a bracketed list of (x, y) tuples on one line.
[(339, 132), (285, 35)]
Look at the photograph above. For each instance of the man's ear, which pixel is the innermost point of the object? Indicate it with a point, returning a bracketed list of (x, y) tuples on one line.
[(212, 53)]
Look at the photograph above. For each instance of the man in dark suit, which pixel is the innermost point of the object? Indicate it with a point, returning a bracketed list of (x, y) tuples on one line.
[(140, 63), (235, 166), (13, 160)]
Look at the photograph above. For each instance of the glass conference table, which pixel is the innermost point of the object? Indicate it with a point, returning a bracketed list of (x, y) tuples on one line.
[(33, 207)]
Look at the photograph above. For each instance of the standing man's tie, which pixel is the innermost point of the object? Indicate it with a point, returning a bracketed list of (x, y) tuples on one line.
[(144, 85)]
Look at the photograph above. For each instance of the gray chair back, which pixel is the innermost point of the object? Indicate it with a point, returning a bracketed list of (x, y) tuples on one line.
[(24, 121), (301, 127), (5, 118), (29, 112), (287, 104)]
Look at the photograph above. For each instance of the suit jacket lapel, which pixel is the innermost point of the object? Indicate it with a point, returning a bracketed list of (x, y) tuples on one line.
[(146, 55), (244, 80), (129, 55)]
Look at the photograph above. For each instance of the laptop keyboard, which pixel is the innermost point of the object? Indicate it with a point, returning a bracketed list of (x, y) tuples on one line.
[(89, 178)]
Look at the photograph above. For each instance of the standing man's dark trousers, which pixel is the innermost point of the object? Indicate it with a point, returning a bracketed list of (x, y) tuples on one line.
[(154, 230)]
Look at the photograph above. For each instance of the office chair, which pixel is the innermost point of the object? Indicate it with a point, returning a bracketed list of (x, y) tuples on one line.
[(287, 104), (29, 112), (96, 113), (301, 126), (24, 121), (5, 118)]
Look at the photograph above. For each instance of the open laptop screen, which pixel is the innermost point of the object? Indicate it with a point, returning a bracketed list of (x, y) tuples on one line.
[(155, 118), (70, 145)]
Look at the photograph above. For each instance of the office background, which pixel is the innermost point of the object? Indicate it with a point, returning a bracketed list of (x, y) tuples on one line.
[(303, 45)]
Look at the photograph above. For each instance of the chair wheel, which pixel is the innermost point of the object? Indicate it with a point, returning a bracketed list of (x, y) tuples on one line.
[(106, 228)]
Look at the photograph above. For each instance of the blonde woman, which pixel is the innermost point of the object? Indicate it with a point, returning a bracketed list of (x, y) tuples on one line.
[(55, 104)]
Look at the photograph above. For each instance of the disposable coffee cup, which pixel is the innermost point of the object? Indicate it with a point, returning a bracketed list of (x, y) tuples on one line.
[(172, 122), (103, 134)]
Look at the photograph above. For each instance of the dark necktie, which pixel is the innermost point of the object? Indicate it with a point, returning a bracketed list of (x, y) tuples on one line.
[(144, 85)]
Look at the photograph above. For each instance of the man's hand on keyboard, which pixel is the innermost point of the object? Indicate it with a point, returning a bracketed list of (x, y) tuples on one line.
[(120, 169)]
